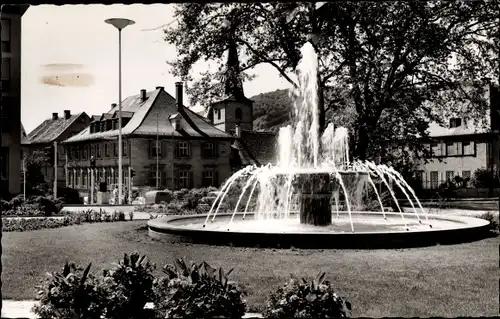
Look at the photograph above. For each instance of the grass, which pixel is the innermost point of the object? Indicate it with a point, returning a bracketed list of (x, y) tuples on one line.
[(449, 281)]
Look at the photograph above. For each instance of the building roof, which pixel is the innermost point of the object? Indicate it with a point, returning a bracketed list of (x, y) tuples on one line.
[(24, 137), (151, 118), (258, 148), (467, 128), (50, 130)]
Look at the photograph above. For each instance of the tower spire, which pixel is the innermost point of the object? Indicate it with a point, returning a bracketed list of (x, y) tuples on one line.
[(232, 85)]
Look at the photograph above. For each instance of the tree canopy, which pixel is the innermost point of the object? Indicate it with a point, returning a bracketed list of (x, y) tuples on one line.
[(391, 66)]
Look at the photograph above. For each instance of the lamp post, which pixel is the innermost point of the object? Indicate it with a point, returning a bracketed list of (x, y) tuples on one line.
[(173, 122), (120, 24)]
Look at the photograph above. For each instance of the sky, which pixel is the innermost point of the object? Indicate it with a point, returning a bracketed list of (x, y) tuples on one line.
[(73, 44)]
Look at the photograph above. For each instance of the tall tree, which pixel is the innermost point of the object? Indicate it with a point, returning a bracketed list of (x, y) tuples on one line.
[(397, 65)]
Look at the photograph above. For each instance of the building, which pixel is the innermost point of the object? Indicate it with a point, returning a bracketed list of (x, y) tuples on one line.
[(233, 113), (463, 147), (55, 129), (10, 106), (166, 145)]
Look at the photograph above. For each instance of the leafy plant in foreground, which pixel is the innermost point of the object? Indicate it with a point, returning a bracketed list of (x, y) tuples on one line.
[(198, 291), (130, 287), (71, 294), (302, 299)]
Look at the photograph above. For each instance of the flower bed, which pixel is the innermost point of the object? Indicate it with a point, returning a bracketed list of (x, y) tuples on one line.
[(186, 290), (19, 224)]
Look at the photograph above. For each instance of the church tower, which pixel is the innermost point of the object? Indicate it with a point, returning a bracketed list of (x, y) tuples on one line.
[(234, 108)]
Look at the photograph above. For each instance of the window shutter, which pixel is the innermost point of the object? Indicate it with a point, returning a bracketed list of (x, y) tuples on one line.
[(191, 179)]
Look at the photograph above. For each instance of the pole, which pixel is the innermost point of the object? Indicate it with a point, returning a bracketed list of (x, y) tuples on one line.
[(55, 169), (66, 166), (120, 146), (157, 158), (129, 173), (173, 157), (24, 177), (92, 186)]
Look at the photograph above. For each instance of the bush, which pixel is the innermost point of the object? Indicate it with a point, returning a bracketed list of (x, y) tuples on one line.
[(71, 294), (198, 291), (494, 225), (130, 287), (485, 178), (300, 299)]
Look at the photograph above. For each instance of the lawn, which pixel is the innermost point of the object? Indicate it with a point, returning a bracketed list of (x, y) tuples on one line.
[(449, 281)]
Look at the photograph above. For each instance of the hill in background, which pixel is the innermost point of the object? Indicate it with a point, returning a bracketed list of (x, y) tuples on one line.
[(272, 110)]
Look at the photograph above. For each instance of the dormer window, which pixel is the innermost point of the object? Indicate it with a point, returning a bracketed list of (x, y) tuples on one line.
[(97, 127), (108, 125), (455, 122), (92, 128)]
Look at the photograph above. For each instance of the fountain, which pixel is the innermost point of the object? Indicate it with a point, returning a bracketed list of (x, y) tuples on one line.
[(297, 202)]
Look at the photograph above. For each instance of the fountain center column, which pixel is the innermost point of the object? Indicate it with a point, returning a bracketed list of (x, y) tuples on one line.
[(315, 198)]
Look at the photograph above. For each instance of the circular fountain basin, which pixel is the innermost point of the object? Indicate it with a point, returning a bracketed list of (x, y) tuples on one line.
[(371, 230)]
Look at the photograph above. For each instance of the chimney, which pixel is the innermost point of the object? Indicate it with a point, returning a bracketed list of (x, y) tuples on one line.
[(160, 88), (178, 94), (67, 114), (143, 95), (113, 105), (237, 130), (54, 116)]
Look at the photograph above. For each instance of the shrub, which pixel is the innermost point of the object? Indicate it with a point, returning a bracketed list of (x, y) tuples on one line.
[(302, 299), (71, 294), (494, 225), (130, 287), (485, 178), (175, 208), (198, 291)]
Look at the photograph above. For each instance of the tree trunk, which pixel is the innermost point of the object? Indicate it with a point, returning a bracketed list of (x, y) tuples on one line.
[(321, 108), (362, 142)]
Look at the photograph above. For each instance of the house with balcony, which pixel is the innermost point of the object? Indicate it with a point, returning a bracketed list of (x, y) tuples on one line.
[(164, 143), (463, 146), (54, 130)]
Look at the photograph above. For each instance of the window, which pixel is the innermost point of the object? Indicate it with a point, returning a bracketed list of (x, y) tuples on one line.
[(79, 178), (109, 178), (155, 149), (436, 149), (108, 125), (459, 148), (210, 178), (106, 150), (4, 163), (237, 114), (465, 174), (97, 127), (115, 150), (5, 74), (182, 149), (449, 175), (184, 179), (208, 150), (434, 179), (92, 151), (6, 23), (218, 114), (468, 148), (99, 150), (85, 180), (85, 152), (125, 148), (451, 149), (455, 122), (77, 153)]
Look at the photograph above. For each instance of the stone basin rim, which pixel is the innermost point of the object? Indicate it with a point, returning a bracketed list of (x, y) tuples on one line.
[(166, 224)]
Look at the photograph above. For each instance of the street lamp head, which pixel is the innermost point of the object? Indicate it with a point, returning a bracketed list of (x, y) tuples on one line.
[(119, 23)]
